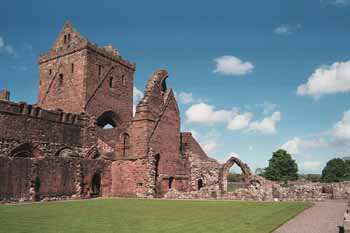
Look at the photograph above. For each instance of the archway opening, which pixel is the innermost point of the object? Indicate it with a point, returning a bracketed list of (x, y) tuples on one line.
[(25, 150), (170, 184), (199, 184), (108, 120), (232, 177), (96, 185), (235, 178), (37, 184), (126, 144)]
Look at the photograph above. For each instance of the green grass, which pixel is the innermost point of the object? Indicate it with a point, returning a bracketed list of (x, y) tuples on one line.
[(151, 216)]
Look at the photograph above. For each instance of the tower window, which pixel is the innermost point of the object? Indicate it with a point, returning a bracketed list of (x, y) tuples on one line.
[(65, 39), (99, 70), (111, 82), (60, 79), (50, 71), (72, 68), (123, 80), (68, 37)]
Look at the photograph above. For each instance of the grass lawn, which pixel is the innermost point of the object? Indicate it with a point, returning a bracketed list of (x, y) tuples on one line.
[(151, 216)]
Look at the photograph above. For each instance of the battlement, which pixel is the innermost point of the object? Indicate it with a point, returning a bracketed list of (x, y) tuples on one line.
[(78, 43), (4, 95), (34, 111)]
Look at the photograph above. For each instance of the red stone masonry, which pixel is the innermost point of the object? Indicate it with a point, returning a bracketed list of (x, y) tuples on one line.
[(80, 139)]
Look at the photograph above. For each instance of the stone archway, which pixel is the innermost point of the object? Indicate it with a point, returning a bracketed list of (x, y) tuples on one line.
[(224, 170), (96, 185), (108, 119), (26, 150)]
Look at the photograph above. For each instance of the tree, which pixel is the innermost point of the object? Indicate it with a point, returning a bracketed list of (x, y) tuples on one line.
[(260, 172), (336, 170), (233, 177), (281, 167)]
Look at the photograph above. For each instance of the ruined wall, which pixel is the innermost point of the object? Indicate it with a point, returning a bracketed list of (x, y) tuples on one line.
[(134, 177), (21, 123), (28, 179)]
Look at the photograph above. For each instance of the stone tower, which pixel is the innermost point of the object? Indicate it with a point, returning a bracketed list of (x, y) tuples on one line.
[(77, 76)]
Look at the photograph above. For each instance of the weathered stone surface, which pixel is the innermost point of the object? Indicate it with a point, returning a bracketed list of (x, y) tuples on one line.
[(60, 147)]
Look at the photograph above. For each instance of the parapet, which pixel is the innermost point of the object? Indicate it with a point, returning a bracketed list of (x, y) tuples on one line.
[(34, 111), (4, 95)]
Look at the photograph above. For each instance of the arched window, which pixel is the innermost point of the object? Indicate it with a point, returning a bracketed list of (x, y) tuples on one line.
[(37, 184), (68, 37), (200, 184), (123, 80), (99, 69), (65, 39), (24, 151), (60, 79), (108, 119), (111, 84), (126, 144), (72, 68), (96, 185), (171, 179)]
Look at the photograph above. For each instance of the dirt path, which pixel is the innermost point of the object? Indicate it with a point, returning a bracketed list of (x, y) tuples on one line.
[(323, 217)]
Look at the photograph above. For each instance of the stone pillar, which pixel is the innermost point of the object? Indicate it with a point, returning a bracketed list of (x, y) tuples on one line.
[(4, 95)]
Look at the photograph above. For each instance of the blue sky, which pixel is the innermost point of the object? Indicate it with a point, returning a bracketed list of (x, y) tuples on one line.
[(250, 76)]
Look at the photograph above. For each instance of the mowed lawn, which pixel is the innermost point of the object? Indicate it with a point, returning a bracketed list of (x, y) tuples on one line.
[(151, 216)]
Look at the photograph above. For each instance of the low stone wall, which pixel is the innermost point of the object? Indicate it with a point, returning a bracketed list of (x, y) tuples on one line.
[(264, 190)]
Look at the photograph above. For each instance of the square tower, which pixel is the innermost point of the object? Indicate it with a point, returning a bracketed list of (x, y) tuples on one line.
[(77, 76)]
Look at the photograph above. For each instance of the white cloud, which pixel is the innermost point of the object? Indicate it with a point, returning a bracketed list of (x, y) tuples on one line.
[(232, 66), (337, 136), (341, 130), (327, 80), (209, 141), (205, 113), (338, 3), (268, 107), (286, 30), (267, 125), (311, 166), (6, 48), (186, 98), (240, 121), (209, 146), (283, 30), (297, 145), (138, 95)]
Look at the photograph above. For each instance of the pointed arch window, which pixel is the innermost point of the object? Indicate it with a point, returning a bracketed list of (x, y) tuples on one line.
[(126, 144)]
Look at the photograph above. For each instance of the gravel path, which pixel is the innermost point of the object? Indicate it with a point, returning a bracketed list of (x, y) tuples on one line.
[(323, 217)]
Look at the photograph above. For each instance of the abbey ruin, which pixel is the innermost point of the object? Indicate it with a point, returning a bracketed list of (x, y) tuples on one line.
[(82, 140), (60, 147)]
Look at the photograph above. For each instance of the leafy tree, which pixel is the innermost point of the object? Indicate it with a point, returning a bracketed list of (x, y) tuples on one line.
[(260, 172), (233, 177), (336, 170), (281, 167)]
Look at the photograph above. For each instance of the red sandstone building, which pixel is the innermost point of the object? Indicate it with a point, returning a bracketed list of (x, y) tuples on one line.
[(61, 147)]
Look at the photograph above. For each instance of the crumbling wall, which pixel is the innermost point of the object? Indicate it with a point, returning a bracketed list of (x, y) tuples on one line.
[(134, 177)]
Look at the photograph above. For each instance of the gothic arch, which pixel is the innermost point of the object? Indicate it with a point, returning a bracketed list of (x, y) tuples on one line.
[(108, 118), (247, 174), (66, 152), (93, 153), (26, 150), (125, 141)]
